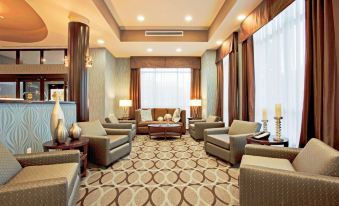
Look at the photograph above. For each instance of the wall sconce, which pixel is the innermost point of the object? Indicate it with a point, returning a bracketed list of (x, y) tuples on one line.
[(88, 61)]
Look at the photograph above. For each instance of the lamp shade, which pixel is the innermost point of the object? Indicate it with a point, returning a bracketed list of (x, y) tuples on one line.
[(125, 103), (195, 102)]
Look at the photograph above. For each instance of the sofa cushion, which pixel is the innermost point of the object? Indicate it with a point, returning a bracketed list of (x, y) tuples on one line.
[(45, 172), (318, 158), (176, 115), (9, 166), (92, 128), (159, 112), (145, 124), (117, 140), (212, 118), (112, 119), (146, 115), (221, 140), (268, 162), (192, 125), (243, 127)]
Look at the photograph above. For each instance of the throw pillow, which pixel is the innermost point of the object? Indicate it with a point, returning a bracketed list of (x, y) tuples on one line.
[(211, 118), (146, 115), (167, 117), (113, 119), (9, 166), (160, 119), (176, 115), (92, 128)]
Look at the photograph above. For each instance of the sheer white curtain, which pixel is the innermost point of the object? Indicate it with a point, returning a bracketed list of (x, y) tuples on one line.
[(279, 60), (226, 76), (166, 88)]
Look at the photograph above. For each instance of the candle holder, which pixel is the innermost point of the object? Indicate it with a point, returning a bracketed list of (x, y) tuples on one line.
[(277, 128), (264, 123)]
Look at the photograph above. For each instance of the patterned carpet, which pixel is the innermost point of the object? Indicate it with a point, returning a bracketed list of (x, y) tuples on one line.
[(162, 172)]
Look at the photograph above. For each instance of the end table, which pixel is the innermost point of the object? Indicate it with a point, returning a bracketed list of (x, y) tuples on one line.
[(80, 144), (267, 141)]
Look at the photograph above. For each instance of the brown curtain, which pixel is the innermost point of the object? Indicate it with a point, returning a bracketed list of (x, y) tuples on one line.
[(220, 90), (233, 82), (248, 80), (320, 118), (196, 88), (135, 91)]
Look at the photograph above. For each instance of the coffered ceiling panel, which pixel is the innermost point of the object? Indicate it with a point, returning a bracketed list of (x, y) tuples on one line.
[(164, 13)]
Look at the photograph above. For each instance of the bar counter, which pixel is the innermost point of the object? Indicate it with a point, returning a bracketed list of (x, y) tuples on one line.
[(26, 124)]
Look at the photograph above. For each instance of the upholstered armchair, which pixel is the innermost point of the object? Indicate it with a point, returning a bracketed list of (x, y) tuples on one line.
[(229, 143), (106, 145), (288, 176), (197, 127), (113, 123), (49, 178)]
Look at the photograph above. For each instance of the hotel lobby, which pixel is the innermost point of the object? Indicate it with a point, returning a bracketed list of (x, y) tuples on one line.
[(169, 102)]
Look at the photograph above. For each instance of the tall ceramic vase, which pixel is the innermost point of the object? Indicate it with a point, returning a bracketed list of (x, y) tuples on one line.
[(75, 131), (57, 114), (60, 132)]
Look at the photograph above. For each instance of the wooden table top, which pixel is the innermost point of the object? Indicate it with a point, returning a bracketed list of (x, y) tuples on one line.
[(70, 143)]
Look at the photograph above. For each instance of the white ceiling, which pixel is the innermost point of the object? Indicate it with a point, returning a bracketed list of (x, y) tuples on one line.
[(164, 13), (55, 15)]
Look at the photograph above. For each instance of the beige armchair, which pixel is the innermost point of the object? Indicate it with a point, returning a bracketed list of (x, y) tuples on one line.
[(197, 127), (229, 143), (111, 122), (288, 176), (106, 145), (49, 178)]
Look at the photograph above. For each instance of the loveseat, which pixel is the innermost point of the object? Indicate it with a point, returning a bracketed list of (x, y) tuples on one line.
[(142, 126)]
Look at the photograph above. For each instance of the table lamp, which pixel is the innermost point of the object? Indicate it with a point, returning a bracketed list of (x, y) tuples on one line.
[(195, 104), (125, 104)]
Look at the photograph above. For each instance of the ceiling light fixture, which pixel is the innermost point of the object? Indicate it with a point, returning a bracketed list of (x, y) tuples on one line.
[(141, 18), (100, 41), (241, 17), (219, 42), (149, 50), (178, 50), (188, 18)]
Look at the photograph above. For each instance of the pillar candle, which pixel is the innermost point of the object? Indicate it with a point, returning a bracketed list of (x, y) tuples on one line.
[(264, 114), (278, 110)]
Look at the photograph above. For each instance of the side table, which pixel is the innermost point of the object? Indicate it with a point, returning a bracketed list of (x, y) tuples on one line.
[(80, 144), (267, 141)]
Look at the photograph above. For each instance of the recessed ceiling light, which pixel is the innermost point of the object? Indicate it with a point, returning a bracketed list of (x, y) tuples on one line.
[(2, 17), (100, 41), (140, 18), (149, 50), (188, 18), (241, 17), (219, 42), (178, 50)]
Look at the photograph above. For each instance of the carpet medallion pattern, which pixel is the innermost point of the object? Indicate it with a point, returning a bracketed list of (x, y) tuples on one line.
[(162, 172)]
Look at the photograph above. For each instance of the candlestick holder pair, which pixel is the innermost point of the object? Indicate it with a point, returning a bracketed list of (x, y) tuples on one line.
[(278, 129), (264, 124)]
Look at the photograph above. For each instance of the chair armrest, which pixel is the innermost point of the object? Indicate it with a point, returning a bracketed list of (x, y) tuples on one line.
[(222, 130), (269, 151), (46, 158), (265, 186), (117, 131), (192, 121), (117, 126), (237, 147), (43, 192), (131, 121)]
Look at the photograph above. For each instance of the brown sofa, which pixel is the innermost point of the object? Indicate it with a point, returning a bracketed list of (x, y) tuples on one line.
[(142, 127)]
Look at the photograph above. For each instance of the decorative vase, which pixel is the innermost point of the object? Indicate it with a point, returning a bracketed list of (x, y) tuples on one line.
[(75, 131), (57, 114), (60, 132)]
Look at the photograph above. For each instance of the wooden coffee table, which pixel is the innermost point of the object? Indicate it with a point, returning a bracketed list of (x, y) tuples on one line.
[(164, 130), (267, 141), (80, 144)]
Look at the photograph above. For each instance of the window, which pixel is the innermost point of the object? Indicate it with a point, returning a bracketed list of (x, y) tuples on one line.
[(30, 57), (166, 88), (7, 57), (54, 57), (225, 72), (7, 89), (279, 59)]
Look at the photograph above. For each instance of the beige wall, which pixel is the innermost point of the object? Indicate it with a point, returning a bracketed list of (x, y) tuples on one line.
[(208, 83)]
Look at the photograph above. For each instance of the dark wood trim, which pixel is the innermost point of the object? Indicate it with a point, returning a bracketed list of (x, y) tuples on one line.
[(41, 56)]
